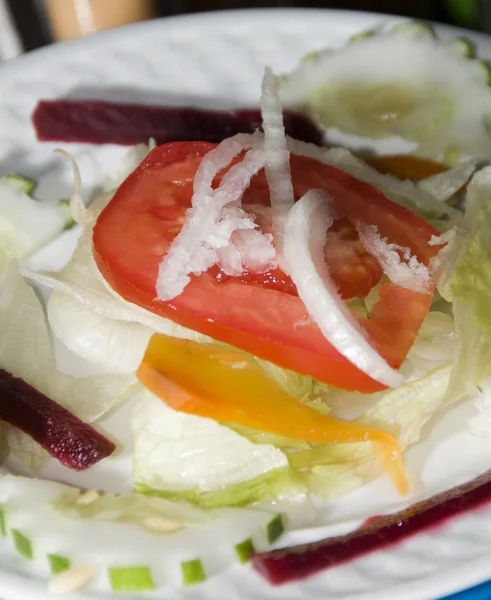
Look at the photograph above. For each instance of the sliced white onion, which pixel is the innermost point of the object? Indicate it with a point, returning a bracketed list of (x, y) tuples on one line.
[(277, 156), (444, 238), (395, 189), (305, 237), (409, 274), (219, 158), (212, 219), (446, 184), (77, 206), (116, 346)]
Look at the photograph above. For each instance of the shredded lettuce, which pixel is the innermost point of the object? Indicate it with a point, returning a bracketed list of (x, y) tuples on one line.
[(173, 459), (128, 163), (175, 451), (26, 352), (81, 297), (26, 224), (464, 271)]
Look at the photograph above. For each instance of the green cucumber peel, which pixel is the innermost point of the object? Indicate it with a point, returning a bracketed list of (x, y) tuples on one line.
[(22, 544), (275, 529), (131, 579), (193, 572), (58, 563), (69, 220), (23, 184), (3, 525), (244, 550)]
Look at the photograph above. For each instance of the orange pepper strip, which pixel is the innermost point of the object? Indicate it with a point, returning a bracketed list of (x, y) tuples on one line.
[(213, 381), (405, 166)]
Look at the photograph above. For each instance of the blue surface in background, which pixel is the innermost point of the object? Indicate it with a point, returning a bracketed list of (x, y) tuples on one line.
[(480, 592)]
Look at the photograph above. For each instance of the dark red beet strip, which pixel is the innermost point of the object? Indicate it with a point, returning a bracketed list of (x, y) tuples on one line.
[(297, 562), (99, 122), (74, 443)]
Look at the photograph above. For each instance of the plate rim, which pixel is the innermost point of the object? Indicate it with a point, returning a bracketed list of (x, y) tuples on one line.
[(14, 586)]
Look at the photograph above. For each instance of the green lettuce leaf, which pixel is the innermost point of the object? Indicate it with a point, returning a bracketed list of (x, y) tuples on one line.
[(227, 466), (467, 284), (26, 351)]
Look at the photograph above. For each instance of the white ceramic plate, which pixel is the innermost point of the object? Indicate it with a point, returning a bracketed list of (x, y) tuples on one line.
[(217, 60)]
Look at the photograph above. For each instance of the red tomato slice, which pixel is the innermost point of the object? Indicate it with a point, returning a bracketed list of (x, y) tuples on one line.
[(263, 314)]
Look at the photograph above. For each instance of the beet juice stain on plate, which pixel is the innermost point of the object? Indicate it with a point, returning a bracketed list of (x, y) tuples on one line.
[(297, 562)]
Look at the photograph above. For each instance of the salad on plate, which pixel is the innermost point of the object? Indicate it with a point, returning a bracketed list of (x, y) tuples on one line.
[(270, 323)]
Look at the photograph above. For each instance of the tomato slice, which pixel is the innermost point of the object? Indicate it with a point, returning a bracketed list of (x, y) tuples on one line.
[(263, 314)]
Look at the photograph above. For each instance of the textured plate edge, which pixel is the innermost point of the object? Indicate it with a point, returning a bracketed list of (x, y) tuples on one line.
[(471, 574)]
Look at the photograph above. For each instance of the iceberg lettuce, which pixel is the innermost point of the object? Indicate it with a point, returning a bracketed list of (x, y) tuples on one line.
[(183, 456), (26, 352)]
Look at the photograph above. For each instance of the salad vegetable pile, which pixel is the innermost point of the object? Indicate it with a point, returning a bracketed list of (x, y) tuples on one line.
[(276, 320)]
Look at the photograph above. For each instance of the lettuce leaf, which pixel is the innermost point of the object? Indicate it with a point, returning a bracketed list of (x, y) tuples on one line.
[(467, 284), (182, 456), (26, 352), (26, 224), (177, 452)]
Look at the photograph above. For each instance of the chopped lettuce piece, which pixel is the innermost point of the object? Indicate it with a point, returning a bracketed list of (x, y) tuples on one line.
[(281, 483), (84, 306), (193, 572), (178, 452), (26, 352), (466, 282), (417, 87), (128, 163), (131, 579), (163, 445)]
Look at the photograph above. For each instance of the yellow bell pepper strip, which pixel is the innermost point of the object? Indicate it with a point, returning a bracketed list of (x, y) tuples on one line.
[(405, 166), (220, 383)]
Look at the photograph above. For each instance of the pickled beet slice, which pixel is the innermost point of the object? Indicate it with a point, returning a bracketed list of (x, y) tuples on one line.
[(100, 122), (298, 562), (74, 443)]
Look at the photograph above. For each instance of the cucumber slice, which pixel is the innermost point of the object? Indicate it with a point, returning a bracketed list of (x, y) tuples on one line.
[(464, 47), (412, 29), (69, 529), (361, 35), (405, 83), (21, 183)]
